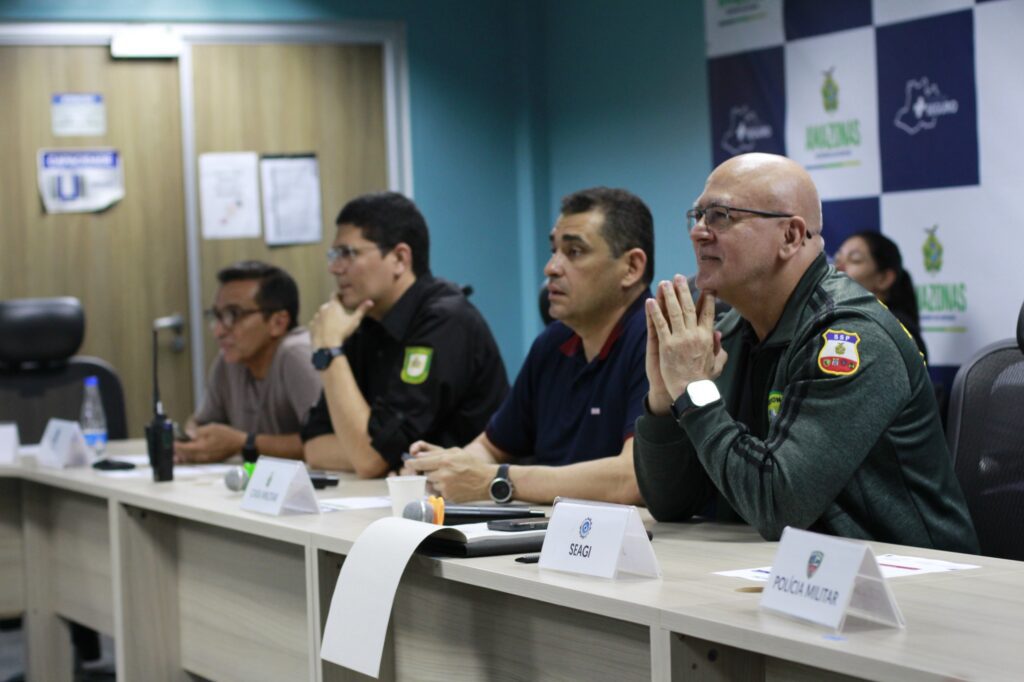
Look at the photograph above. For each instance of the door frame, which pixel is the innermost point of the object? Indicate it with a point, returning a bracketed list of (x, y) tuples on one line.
[(398, 129)]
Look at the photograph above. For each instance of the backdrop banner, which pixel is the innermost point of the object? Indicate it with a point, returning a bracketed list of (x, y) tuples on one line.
[(904, 114)]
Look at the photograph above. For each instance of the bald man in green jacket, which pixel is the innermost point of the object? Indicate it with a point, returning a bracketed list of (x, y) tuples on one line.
[(809, 405)]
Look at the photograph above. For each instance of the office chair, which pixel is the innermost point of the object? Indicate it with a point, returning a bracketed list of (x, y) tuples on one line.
[(984, 435), (40, 375)]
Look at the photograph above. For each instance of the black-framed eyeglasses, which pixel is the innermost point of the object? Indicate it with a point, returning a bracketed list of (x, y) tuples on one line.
[(346, 252), (718, 217), (229, 315)]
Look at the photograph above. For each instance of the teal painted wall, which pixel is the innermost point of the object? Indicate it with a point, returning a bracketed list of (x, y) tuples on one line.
[(514, 103), (627, 106)]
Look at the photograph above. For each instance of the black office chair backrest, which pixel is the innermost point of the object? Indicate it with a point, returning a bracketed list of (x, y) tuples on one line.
[(986, 439), (40, 375)]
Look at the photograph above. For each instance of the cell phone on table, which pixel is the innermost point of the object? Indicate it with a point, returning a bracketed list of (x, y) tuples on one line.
[(180, 435), (322, 479), (517, 525)]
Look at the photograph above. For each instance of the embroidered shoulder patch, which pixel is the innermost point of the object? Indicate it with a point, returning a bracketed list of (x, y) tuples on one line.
[(839, 354), (774, 405), (416, 367)]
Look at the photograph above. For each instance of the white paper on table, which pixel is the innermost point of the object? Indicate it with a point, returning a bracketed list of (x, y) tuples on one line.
[(137, 460), (291, 199), (229, 195), (892, 565), (9, 443), (357, 622), (345, 503), (180, 471)]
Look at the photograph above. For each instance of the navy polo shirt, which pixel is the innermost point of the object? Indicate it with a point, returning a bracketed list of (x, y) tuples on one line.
[(563, 409)]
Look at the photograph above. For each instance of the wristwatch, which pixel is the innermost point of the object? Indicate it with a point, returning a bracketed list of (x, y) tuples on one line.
[(249, 451), (501, 486), (697, 394), (322, 357)]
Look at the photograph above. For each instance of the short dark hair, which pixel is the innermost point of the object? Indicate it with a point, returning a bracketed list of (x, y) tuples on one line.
[(388, 219), (277, 290), (901, 297), (627, 220)]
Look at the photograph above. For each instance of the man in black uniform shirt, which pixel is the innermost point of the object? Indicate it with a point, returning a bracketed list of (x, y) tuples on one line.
[(403, 356)]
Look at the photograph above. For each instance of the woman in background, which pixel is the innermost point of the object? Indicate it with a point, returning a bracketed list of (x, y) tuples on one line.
[(874, 262)]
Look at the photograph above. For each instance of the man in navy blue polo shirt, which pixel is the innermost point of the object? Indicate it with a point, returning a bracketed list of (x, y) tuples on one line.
[(567, 426)]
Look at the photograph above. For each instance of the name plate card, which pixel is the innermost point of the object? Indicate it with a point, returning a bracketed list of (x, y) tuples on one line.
[(279, 485), (598, 539), (9, 443), (63, 445), (823, 579)]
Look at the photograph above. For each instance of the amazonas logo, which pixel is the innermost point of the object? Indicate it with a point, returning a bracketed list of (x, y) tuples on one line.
[(923, 105), (940, 298), (745, 130), (826, 138)]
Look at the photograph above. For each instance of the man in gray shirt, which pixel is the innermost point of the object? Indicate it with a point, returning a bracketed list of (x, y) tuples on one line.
[(261, 385)]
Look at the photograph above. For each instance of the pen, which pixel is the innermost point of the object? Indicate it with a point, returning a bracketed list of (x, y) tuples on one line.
[(528, 558)]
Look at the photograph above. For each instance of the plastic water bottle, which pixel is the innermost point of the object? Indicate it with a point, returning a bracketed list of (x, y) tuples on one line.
[(92, 417)]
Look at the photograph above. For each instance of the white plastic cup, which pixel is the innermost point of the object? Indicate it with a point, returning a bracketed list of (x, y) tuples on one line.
[(405, 489)]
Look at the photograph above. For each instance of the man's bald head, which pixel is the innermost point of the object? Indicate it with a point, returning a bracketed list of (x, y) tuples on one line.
[(778, 183)]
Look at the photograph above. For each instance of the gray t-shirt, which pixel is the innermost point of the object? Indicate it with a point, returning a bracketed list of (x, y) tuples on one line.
[(276, 404)]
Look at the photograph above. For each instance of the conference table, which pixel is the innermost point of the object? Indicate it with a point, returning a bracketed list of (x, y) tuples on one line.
[(191, 587)]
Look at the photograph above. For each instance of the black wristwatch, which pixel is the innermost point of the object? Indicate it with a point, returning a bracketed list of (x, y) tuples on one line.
[(322, 357), (698, 394), (501, 486), (249, 451)]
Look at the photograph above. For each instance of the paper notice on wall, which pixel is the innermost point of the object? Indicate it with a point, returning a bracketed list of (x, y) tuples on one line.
[(291, 199), (229, 195), (78, 114), (79, 180)]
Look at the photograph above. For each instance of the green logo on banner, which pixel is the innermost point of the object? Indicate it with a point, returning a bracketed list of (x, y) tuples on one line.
[(416, 367), (932, 251), (830, 92)]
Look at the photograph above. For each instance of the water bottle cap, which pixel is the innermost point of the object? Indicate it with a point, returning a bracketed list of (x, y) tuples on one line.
[(92, 381)]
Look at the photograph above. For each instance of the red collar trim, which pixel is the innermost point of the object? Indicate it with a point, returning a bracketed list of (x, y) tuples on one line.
[(572, 345)]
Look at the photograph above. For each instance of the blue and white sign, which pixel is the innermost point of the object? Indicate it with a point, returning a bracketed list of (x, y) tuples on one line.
[(80, 180), (78, 114), (599, 539)]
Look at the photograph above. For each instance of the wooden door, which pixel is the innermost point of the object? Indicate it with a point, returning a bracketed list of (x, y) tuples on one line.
[(127, 264), (292, 99)]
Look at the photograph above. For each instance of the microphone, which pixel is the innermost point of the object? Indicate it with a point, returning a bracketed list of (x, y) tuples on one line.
[(160, 432), (434, 510), (238, 477)]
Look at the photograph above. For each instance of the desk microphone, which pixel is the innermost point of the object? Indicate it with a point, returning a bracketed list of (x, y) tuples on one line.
[(160, 432), (434, 510)]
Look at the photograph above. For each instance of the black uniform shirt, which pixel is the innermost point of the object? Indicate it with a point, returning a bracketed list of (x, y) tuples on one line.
[(430, 369)]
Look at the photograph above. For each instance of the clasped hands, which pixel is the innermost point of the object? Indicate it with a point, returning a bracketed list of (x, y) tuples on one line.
[(682, 343)]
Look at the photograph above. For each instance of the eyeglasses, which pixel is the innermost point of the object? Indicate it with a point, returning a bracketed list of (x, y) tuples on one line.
[(346, 252), (718, 218), (229, 315)]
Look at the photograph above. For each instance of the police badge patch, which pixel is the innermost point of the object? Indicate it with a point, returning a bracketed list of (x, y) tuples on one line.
[(839, 354)]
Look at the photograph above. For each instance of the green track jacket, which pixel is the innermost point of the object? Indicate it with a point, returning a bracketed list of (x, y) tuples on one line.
[(829, 424)]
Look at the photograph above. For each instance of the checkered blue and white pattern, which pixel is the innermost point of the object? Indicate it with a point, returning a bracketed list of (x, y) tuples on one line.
[(909, 115)]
